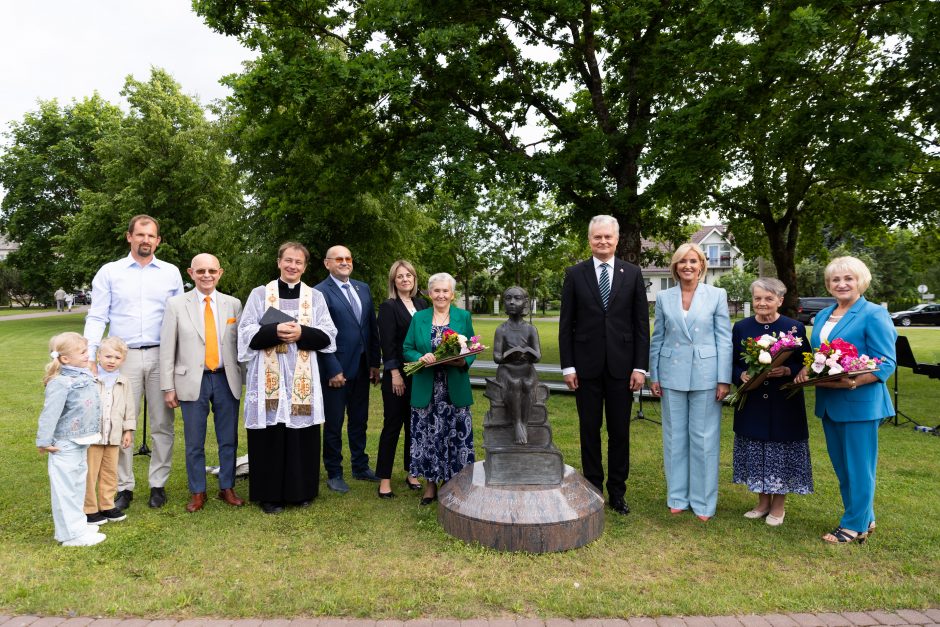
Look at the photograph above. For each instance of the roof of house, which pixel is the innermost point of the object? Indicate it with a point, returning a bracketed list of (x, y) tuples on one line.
[(697, 238)]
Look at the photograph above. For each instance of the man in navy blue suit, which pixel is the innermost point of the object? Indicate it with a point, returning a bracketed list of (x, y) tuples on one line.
[(347, 372), (604, 344)]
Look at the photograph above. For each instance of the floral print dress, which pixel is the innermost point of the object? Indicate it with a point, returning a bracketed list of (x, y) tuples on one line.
[(441, 434)]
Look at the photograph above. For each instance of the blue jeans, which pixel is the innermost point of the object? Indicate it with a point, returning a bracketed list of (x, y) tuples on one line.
[(215, 391), (68, 470)]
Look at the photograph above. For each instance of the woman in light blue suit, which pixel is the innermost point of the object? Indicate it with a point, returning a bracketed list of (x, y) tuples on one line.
[(852, 408), (690, 369)]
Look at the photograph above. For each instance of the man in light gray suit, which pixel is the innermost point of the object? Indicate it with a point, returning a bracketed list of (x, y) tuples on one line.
[(199, 366)]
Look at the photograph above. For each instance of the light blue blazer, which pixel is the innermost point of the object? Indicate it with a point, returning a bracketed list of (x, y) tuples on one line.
[(869, 328), (692, 353)]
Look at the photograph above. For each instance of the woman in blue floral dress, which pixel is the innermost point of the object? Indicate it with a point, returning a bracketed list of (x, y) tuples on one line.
[(441, 428)]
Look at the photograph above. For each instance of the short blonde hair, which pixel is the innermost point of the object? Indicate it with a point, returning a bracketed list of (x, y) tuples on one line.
[(60, 345), (114, 343), (852, 265), (392, 288), (681, 252)]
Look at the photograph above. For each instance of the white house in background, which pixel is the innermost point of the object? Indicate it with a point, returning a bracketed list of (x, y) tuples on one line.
[(6, 247), (722, 254)]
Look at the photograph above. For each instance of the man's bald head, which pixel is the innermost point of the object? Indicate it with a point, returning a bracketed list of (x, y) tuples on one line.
[(205, 271), (339, 262)]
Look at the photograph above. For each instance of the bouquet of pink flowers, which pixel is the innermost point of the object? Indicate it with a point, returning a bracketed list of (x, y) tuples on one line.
[(453, 346), (837, 357), (760, 355)]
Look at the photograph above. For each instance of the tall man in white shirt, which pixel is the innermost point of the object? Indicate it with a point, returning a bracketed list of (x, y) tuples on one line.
[(129, 297)]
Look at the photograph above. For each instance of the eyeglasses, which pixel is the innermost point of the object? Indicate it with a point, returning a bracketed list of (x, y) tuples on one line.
[(209, 271), (341, 259)]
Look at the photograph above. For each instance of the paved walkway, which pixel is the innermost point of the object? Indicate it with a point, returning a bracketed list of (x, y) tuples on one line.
[(44, 314), (924, 618)]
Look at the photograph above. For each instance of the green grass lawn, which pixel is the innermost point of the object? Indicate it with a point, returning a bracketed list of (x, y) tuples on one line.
[(357, 556)]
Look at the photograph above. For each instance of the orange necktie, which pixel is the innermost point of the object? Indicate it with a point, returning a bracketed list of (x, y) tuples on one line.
[(212, 340)]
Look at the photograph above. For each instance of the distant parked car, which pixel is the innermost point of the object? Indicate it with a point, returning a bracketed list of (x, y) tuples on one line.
[(919, 314), (82, 297), (809, 306)]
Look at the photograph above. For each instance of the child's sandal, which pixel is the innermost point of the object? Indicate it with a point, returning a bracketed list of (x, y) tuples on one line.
[(844, 536)]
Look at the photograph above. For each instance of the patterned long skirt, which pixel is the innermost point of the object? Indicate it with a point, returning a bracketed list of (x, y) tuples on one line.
[(773, 467), (441, 436)]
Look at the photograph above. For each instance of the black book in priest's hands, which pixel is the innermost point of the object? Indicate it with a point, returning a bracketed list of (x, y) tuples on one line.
[(275, 316)]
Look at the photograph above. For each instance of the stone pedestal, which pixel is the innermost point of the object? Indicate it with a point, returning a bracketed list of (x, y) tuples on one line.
[(533, 518)]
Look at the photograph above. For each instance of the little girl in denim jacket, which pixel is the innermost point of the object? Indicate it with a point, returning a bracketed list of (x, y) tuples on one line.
[(68, 424)]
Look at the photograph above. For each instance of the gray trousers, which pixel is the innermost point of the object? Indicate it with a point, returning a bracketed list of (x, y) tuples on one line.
[(142, 368)]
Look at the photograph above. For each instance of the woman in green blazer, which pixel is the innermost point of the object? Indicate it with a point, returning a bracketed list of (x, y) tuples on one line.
[(441, 428)]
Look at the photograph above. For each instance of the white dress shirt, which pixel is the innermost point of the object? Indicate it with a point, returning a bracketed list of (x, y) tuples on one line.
[(130, 300)]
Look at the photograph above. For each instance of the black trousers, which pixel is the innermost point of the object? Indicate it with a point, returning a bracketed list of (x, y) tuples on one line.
[(284, 464), (397, 410), (594, 398)]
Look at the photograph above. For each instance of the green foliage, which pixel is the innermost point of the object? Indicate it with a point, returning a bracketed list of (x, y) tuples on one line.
[(163, 160), (795, 133), (50, 158), (438, 91), (738, 284)]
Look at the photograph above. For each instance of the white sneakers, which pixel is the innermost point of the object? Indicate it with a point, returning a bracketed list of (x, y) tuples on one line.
[(89, 539)]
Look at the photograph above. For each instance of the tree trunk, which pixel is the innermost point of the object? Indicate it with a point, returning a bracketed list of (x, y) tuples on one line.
[(782, 237)]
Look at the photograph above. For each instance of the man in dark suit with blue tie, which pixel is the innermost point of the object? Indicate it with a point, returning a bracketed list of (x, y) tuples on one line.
[(347, 372), (604, 343)]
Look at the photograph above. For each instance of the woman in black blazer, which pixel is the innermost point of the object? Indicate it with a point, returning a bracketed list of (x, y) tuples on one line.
[(394, 320)]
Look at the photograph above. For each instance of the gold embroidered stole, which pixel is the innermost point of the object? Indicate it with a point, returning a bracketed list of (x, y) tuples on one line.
[(302, 384)]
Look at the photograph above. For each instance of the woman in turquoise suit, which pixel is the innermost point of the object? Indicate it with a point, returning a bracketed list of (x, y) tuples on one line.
[(441, 431), (852, 409), (690, 369)]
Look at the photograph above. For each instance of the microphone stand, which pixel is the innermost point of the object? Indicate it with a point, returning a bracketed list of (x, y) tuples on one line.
[(144, 449)]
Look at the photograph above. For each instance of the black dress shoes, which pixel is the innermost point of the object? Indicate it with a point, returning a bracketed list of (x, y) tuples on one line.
[(386, 495), (427, 500), (620, 506), (366, 475), (157, 498), (413, 486), (123, 499), (272, 508)]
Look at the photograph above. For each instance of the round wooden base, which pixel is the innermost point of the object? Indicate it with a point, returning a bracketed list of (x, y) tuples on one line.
[(537, 519)]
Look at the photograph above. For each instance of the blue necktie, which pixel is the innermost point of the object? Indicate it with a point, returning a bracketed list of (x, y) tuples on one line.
[(353, 302), (605, 285)]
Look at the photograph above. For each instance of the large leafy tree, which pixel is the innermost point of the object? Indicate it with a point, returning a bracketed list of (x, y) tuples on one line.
[(49, 159), (802, 132), (165, 159), (441, 90)]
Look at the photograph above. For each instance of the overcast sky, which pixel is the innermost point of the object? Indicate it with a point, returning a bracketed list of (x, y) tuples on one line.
[(68, 49)]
